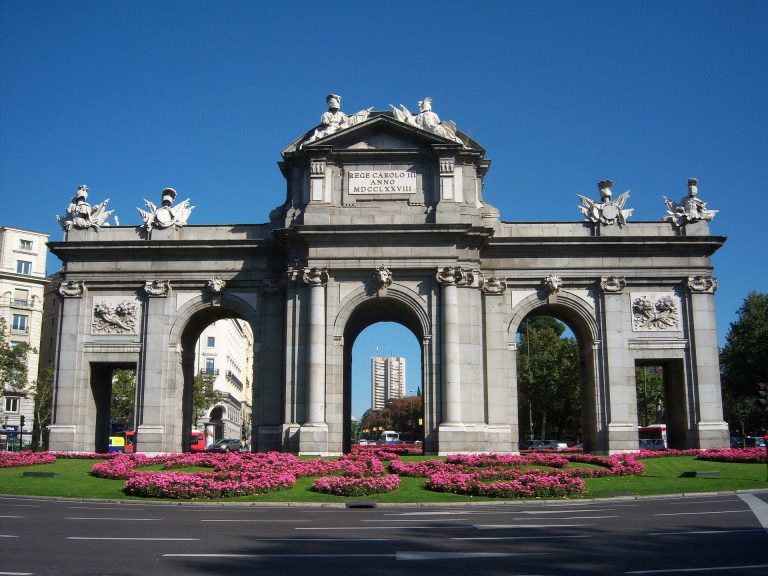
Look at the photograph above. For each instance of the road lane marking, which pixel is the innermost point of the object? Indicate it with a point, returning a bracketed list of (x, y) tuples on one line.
[(702, 513), (100, 508), (8, 536), (22, 505), (128, 538), (434, 513), (119, 519), (522, 537), (508, 526), (705, 532), (758, 507), (706, 569), (568, 511), (382, 528), (407, 555), (11, 516), (321, 540), (17, 573), (260, 520), (409, 520), (712, 501)]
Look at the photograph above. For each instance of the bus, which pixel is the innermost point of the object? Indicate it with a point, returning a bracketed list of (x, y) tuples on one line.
[(390, 437), (653, 437)]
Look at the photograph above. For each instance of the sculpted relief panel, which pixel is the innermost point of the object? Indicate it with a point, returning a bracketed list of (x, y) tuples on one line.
[(655, 311), (115, 315)]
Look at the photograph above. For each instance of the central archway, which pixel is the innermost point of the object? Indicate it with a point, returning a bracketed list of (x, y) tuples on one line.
[(363, 310)]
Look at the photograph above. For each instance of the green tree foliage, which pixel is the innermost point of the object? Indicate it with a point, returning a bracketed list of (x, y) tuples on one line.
[(123, 397), (43, 392), (650, 392), (549, 382), (13, 362), (745, 363), (401, 415), (203, 395)]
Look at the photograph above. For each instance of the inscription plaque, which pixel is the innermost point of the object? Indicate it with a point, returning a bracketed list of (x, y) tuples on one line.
[(381, 182)]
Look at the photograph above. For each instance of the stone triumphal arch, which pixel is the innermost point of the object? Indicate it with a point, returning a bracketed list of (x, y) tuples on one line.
[(384, 220)]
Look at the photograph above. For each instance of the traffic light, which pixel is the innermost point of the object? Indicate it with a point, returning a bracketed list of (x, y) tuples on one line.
[(762, 394), (21, 421)]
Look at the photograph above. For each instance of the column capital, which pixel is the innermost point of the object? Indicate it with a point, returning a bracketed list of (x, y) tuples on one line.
[(315, 276), (613, 284), (71, 289), (702, 284), (157, 288)]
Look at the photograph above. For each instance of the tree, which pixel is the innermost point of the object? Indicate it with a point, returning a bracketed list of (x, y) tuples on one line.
[(548, 373), (649, 384), (203, 395), (745, 356), (13, 362), (743, 365), (43, 392), (404, 414), (123, 397)]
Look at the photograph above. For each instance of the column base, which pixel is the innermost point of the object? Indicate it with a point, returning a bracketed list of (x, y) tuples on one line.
[(622, 438), (150, 439), (313, 440), (462, 438), (713, 435), (268, 438), (62, 438)]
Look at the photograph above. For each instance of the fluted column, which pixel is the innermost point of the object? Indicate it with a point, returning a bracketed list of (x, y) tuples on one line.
[(450, 366), (316, 279)]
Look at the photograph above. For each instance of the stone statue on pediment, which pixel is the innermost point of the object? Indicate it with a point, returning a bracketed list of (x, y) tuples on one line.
[(80, 215), (334, 119), (690, 208), (427, 120)]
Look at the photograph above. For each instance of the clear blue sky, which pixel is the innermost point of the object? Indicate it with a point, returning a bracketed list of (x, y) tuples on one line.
[(132, 97)]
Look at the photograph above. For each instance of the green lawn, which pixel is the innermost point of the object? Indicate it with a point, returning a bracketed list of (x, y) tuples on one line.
[(662, 476)]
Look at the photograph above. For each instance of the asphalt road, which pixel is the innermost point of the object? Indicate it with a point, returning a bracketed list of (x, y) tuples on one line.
[(697, 534)]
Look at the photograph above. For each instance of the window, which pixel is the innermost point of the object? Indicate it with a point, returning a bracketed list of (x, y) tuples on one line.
[(210, 365), (25, 244), (20, 297), (211, 341), (19, 323), (23, 267), (11, 404)]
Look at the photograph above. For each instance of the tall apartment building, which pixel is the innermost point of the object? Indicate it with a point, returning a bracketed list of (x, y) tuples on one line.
[(387, 380), (225, 353), (22, 281)]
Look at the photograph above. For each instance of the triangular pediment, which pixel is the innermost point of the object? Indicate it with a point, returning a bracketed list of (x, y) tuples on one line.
[(380, 131)]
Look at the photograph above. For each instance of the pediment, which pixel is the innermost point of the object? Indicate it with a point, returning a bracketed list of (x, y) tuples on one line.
[(380, 132)]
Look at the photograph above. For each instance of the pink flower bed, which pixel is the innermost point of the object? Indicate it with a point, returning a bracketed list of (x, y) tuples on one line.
[(356, 486), (668, 452), (185, 485), (507, 483), (740, 455), (25, 458), (616, 465)]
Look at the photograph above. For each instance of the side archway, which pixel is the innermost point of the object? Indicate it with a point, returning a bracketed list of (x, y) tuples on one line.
[(581, 317)]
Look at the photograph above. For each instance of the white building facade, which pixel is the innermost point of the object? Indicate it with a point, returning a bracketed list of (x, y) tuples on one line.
[(22, 281), (387, 380), (225, 353)]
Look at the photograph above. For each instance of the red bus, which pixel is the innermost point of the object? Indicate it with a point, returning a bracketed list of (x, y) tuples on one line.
[(653, 437)]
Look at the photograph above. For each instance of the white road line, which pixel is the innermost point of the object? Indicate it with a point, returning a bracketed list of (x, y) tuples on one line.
[(111, 518), (459, 555), (22, 505), (433, 513), (523, 537), (409, 520), (278, 555), (758, 507), (8, 536), (508, 526), (706, 569), (17, 573), (713, 501), (702, 513), (383, 527), (100, 508), (705, 532), (568, 511), (584, 517), (259, 520), (11, 516), (320, 540), (139, 539)]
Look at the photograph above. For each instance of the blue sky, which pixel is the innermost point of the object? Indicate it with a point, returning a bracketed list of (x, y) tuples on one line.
[(132, 97)]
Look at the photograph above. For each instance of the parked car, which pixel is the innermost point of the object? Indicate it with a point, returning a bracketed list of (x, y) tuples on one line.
[(754, 442), (226, 445), (543, 445), (736, 442), (651, 444)]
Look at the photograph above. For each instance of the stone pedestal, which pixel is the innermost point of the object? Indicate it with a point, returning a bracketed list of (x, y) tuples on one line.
[(150, 439), (313, 440), (62, 437)]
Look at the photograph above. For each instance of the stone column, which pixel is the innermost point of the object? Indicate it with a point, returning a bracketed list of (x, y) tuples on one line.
[(712, 431), (157, 429), (314, 431), (66, 432), (450, 353)]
